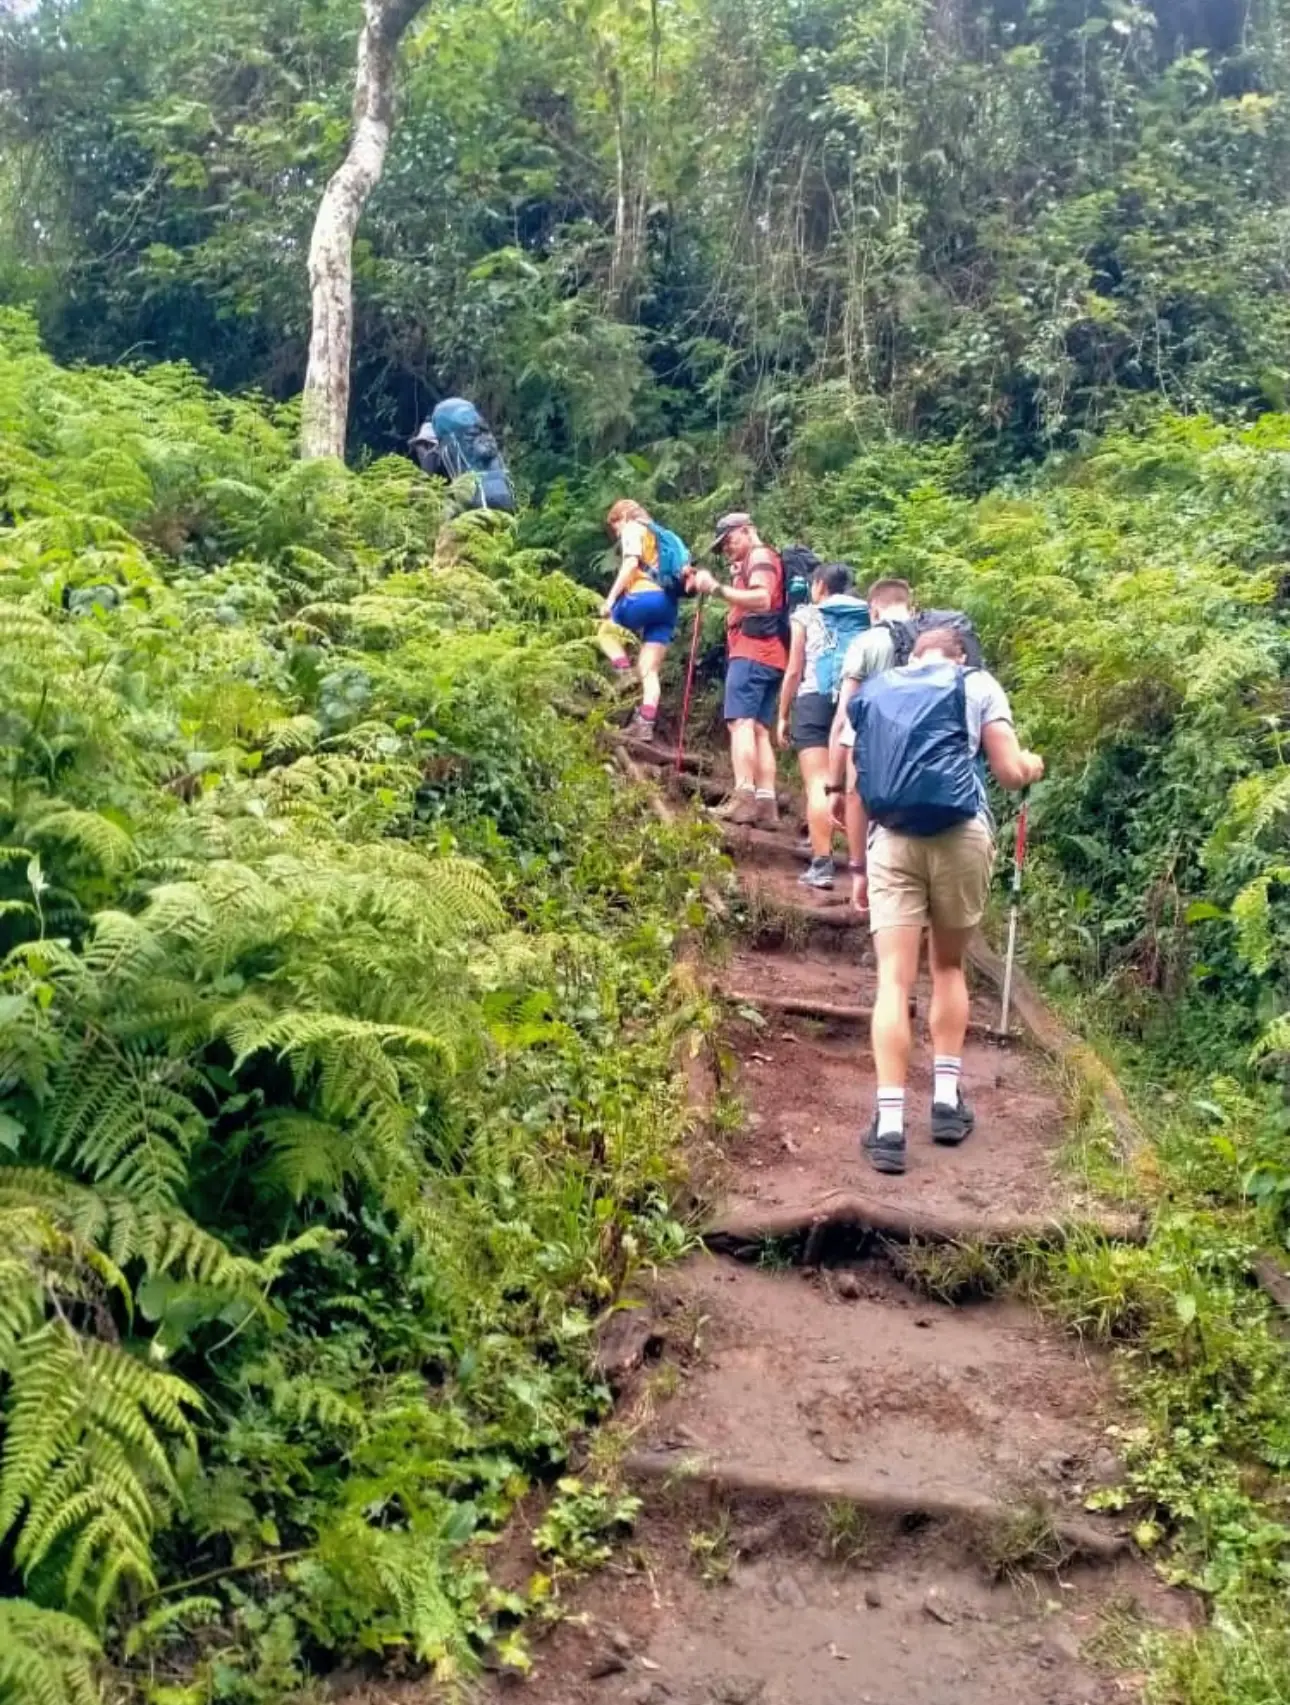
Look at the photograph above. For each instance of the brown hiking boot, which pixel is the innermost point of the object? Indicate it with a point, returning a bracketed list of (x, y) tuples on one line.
[(767, 816), (740, 808)]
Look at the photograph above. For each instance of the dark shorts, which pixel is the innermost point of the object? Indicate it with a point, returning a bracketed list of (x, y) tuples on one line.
[(752, 691), (650, 614), (812, 721)]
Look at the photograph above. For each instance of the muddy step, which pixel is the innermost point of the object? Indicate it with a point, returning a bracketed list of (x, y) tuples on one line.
[(716, 1616), (982, 1421), (660, 754), (1023, 1532), (779, 912), (783, 847), (810, 1097), (797, 972)]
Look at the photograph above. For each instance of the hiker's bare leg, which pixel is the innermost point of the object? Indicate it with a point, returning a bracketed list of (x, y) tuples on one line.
[(764, 759), (857, 825), (743, 751), (897, 952), (814, 763), (609, 637), (948, 1018), (649, 665)]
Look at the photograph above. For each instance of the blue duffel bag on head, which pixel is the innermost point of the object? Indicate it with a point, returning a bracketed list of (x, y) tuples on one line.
[(913, 749), (466, 449)]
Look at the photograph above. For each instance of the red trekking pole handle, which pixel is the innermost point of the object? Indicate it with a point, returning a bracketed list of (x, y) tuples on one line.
[(689, 683), (1019, 849)]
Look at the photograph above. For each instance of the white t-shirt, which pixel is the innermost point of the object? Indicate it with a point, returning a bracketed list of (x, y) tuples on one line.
[(808, 618), (984, 702)]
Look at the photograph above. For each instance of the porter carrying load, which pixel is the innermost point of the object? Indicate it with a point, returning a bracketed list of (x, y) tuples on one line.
[(456, 444)]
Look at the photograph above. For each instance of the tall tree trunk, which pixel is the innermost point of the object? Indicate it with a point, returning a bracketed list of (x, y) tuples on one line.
[(325, 405)]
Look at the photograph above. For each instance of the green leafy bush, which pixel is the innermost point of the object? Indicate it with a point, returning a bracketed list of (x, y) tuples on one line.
[(337, 1025)]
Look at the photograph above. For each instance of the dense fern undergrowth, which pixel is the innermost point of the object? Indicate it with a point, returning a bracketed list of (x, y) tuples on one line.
[(337, 1033), (340, 1017)]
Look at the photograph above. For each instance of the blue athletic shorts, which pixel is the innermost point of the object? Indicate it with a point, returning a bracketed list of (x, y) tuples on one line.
[(752, 691), (650, 614)]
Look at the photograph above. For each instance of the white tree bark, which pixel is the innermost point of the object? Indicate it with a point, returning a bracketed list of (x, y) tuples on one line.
[(325, 404)]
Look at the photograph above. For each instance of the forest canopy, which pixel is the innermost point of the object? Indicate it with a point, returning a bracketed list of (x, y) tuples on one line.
[(778, 225)]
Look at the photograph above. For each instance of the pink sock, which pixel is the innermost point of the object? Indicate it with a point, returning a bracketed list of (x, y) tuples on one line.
[(621, 662), (648, 712)]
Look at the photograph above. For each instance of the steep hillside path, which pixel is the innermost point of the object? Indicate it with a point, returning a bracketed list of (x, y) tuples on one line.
[(855, 1492)]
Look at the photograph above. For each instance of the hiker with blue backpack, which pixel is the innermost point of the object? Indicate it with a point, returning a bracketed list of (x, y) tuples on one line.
[(919, 731), (821, 634), (454, 442), (644, 600), (894, 630)]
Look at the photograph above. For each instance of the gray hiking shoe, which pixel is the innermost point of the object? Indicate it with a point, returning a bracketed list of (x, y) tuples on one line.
[(639, 729), (886, 1153), (767, 814), (952, 1125), (819, 873)]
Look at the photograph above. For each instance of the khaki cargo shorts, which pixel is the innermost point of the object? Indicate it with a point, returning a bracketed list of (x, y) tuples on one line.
[(941, 879)]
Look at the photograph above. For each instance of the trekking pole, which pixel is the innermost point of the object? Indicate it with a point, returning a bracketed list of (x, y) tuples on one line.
[(1018, 861), (689, 684)]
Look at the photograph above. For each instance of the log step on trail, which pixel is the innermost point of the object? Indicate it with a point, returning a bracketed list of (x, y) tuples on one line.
[(851, 1491)]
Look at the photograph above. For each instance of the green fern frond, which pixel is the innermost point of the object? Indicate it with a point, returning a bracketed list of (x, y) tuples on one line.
[(119, 1124), (307, 1156), (292, 736), (122, 1228), (104, 842), (311, 1401), (46, 1658), (85, 1454)]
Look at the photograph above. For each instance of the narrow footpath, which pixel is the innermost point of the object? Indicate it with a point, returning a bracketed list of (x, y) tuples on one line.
[(856, 1493)]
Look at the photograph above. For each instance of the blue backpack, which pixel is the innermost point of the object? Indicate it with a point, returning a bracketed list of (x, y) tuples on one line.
[(842, 624), (913, 752), (465, 447), (673, 560)]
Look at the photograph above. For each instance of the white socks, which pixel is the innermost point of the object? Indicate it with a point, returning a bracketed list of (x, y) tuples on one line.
[(949, 1068), (891, 1112), (765, 793)]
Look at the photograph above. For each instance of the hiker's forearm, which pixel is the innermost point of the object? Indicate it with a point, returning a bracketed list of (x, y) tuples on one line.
[(623, 579), (788, 692), (856, 821), (754, 599), (1011, 767), (846, 692)]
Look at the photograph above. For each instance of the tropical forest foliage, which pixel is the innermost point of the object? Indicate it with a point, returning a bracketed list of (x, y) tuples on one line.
[(337, 1019), (338, 1002)]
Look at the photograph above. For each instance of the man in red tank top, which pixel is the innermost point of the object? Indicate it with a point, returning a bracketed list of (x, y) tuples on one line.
[(757, 655)]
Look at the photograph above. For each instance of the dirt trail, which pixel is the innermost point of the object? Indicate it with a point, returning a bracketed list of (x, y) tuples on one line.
[(853, 1493)]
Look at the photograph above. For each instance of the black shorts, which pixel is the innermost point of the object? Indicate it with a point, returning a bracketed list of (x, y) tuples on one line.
[(812, 721)]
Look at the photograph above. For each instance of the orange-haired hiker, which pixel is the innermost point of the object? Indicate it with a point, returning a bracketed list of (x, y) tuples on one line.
[(644, 599)]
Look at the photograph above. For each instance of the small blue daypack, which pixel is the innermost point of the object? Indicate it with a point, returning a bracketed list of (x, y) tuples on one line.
[(673, 560), (843, 622), (913, 749)]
